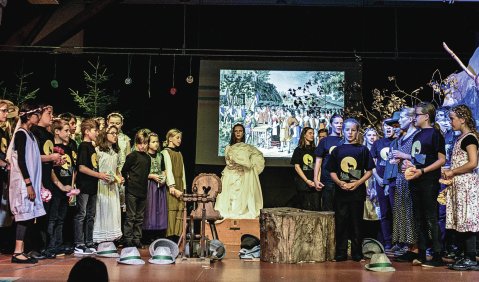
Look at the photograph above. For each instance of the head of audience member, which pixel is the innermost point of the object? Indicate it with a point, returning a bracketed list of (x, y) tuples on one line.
[(237, 134), (115, 119), (71, 120), (88, 269), (370, 136), (89, 130), (335, 125)]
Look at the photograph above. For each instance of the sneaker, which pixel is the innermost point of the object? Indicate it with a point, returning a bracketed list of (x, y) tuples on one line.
[(435, 262), (401, 251), (338, 258), (463, 265), (82, 250), (357, 258), (407, 257), (36, 255), (92, 247)]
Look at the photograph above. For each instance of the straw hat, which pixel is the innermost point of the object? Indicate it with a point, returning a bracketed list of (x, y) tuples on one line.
[(380, 263), (107, 249), (162, 255), (164, 243), (130, 255), (371, 247)]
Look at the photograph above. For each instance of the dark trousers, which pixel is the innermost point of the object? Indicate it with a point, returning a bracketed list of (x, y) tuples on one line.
[(309, 200), (84, 219), (36, 239), (424, 197), (386, 203), (58, 211), (348, 219), (135, 214), (327, 197)]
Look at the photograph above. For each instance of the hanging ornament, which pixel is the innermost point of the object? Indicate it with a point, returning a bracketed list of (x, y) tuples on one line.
[(173, 89), (189, 78), (128, 79), (54, 82)]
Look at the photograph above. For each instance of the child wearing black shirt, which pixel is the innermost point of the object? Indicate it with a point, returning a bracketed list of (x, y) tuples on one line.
[(350, 165), (135, 171), (87, 182)]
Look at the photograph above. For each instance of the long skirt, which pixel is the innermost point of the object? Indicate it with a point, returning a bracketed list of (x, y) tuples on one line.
[(156, 212)]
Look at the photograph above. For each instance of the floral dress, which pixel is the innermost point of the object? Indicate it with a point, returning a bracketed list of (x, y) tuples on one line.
[(462, 198), (404, 230)]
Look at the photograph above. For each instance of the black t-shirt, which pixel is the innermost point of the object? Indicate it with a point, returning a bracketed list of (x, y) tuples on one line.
[(325, 146), (64, 173), (426, 144), (350, 162), (468, 140), (380, 151), (45, 144), (135, 171), (87, 157), (304, 157)]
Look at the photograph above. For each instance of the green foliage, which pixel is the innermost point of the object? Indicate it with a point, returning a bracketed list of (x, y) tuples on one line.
[(22, 93), (96, 100)]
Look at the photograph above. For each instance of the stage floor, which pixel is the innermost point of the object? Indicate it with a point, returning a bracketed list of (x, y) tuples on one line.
[(230, 269)]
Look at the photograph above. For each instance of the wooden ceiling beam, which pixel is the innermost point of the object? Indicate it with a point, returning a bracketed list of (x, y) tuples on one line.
[(71, 27)]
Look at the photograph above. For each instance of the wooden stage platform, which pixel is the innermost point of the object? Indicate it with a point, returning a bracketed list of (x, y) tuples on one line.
[(230, 269)]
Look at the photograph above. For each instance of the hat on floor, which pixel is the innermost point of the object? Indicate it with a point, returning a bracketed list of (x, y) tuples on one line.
[(372, 246), (162, 255), (249, 241), (130, 255), (107, 249), (380, 263), (164, 243), (217, 249)]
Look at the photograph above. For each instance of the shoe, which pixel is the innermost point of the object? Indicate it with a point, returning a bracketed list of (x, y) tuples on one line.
[(36, 255), (401, 251), (28, 259), (339, 258), (435, 262), (67, 250), (82, 250), (49, 254), (407, 257), (92, 247), (357, 258), (418, 261), (464, 265)]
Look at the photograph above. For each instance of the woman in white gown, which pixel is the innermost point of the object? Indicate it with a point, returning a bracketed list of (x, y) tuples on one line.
[(241, 196)]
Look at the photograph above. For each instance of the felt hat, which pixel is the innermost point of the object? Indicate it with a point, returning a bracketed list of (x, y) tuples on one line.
[(372, 246), (130, 255), (162, 255), (380, 263), (216, 249), (394, 119), (107, 249), (162, 242), (249, 241)]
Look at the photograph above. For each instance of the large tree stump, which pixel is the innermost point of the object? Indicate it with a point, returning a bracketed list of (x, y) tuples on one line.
[(291, 235)]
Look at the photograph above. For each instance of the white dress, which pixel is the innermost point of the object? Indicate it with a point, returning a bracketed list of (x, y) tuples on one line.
[(107, 225), (241, 196)]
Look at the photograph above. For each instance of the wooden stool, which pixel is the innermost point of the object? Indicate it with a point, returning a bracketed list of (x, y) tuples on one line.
[(291, 235)]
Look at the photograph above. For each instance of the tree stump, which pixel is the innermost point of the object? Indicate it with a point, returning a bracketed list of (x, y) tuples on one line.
[(291, 235)]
